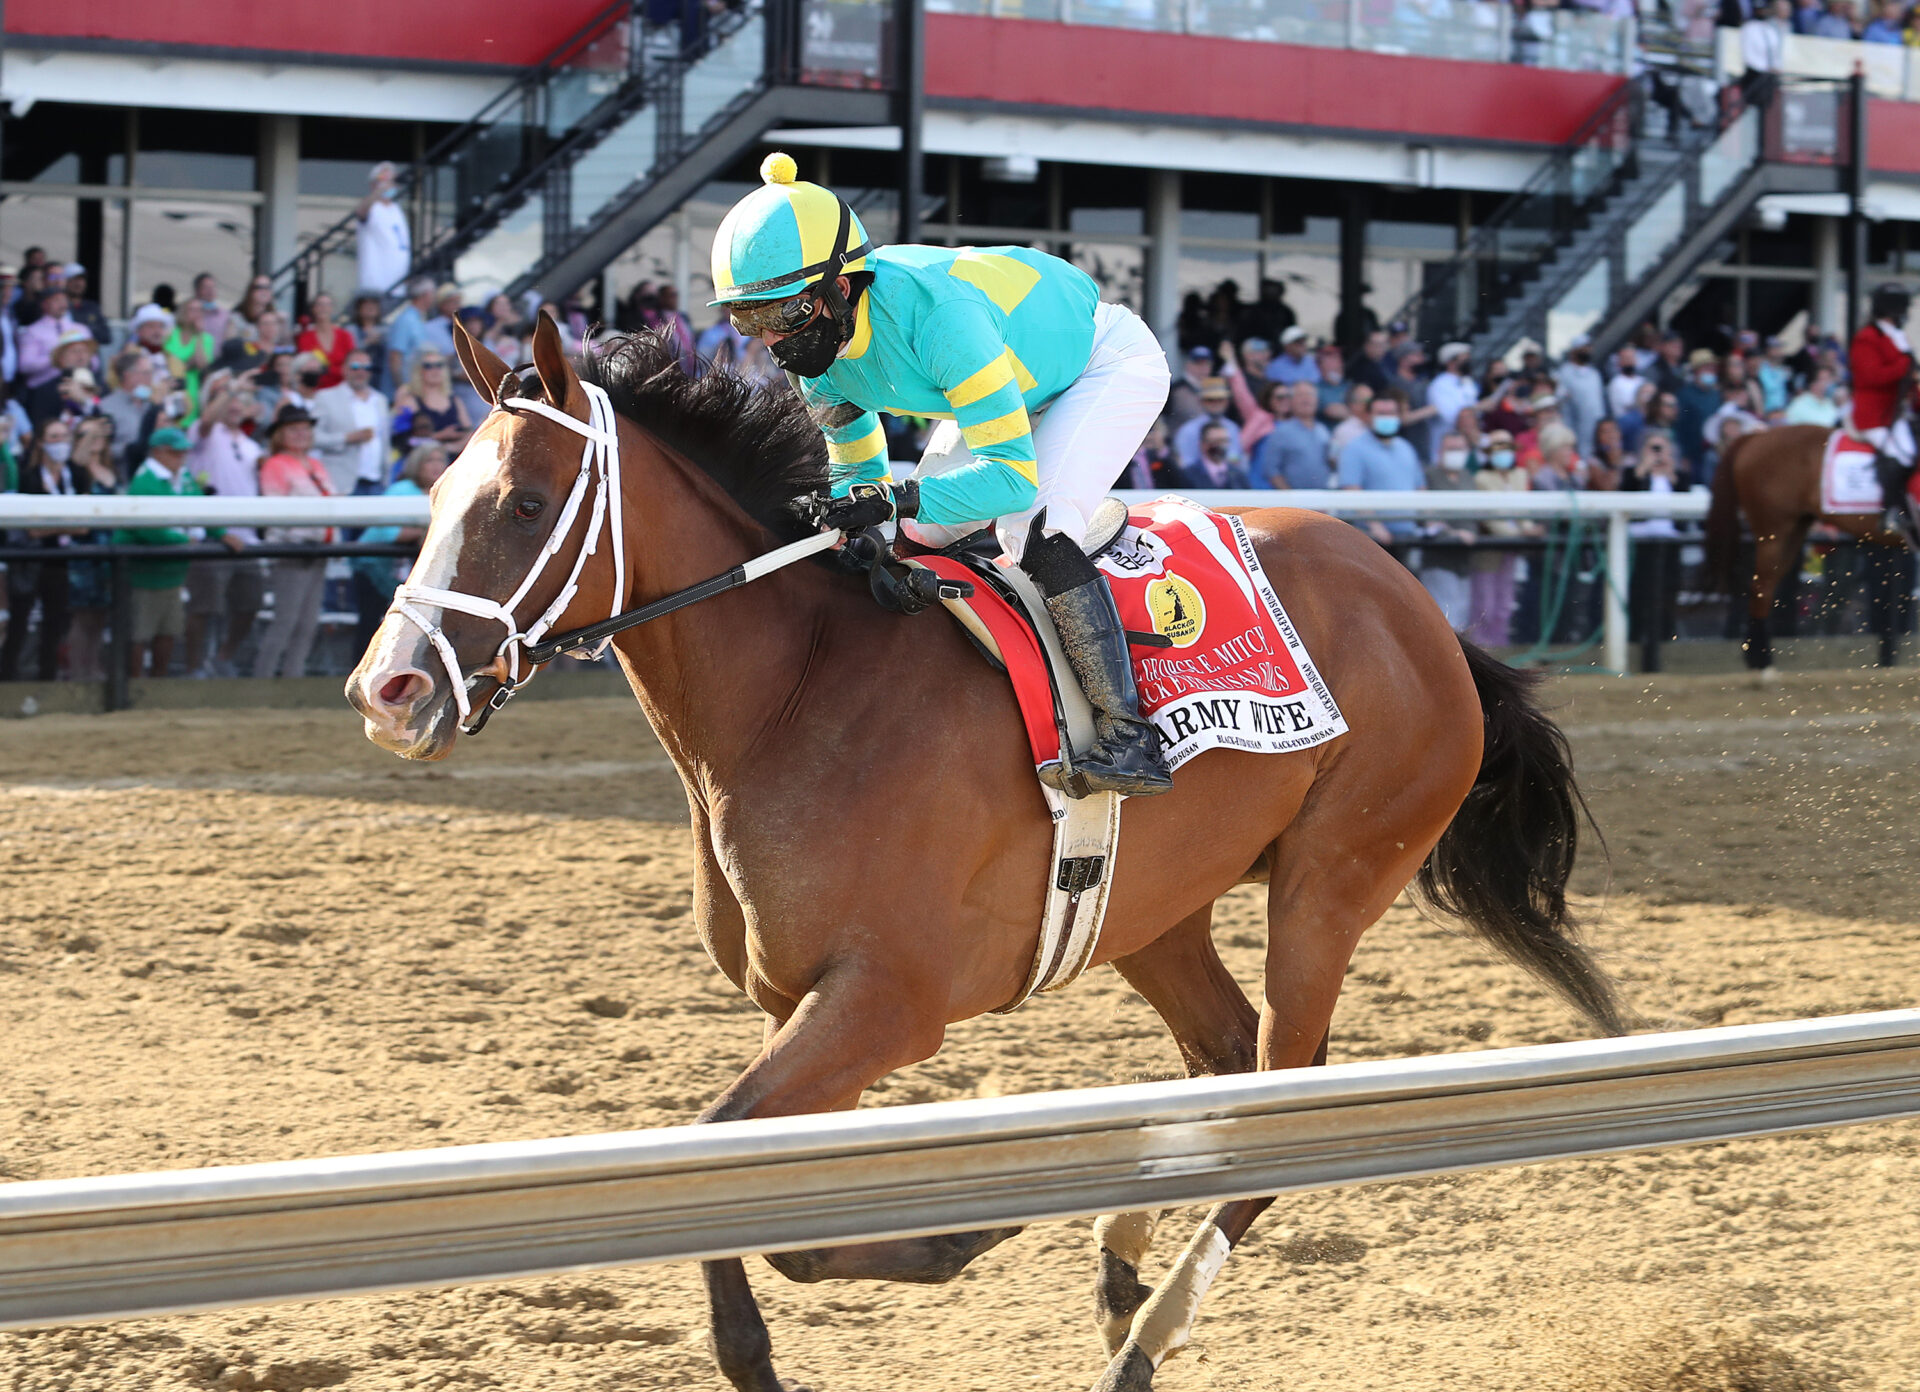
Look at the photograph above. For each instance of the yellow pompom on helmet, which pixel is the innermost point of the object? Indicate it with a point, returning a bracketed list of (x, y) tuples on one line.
[(785, 236)]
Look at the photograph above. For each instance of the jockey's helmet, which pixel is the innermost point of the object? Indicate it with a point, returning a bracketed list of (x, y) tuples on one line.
[(1890, 302), (785, 236)]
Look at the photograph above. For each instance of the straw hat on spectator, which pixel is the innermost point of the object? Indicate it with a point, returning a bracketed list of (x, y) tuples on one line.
[(1449, 351), (1294, 334), (1214, 389), (150, 313), (1702, 357)]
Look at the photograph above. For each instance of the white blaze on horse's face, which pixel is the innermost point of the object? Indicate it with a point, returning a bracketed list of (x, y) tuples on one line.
[(422, 727)]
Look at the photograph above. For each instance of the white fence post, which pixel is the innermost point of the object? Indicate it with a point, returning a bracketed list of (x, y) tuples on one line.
[(1616, 599)]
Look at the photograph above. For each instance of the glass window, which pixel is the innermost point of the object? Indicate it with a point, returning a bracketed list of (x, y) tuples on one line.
[(1130, 221), (175, 240), (53, 223), (1120, 269), (182, 169)]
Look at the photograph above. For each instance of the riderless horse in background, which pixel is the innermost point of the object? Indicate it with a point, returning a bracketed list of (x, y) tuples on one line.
[(869, 839), (1772, 478)]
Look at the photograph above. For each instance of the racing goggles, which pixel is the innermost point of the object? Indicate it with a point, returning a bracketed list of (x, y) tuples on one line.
[(758, 318)]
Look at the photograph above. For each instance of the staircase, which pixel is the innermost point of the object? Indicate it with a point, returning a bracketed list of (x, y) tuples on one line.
[(580, 156), (1619, 218)]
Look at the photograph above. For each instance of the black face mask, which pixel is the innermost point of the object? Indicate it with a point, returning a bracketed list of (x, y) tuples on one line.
[(311, 379), (811, 351)]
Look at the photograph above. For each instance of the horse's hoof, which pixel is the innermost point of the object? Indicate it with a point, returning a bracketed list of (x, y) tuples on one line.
[(1130, 1371), (789, 1385)]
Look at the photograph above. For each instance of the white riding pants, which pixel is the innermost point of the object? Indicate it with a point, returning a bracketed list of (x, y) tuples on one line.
[(1895, 441), (1083, 439)]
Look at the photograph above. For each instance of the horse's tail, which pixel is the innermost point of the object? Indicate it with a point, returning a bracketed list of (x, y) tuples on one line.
[(1502, 865), (1723, 522)]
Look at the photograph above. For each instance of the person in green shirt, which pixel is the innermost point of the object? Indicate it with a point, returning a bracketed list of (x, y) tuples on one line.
[(190, 351), (159, 614)]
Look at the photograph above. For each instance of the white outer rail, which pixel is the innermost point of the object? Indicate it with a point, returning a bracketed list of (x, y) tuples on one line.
[(1615, 510), (126, 1245)]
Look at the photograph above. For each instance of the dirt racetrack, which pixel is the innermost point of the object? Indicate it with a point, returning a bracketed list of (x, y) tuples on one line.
[(247, 936)]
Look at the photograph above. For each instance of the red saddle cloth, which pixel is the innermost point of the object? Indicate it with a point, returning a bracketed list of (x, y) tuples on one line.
[(1236, 674)]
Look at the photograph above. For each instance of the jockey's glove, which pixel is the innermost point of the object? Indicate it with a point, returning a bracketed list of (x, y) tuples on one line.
[(869, 504)]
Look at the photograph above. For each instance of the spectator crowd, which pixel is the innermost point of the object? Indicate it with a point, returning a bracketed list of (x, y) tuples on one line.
[(207, 393), (1261, 403)]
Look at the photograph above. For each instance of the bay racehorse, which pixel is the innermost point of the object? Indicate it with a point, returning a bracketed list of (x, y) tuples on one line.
[(869, 839), (1772, 478)]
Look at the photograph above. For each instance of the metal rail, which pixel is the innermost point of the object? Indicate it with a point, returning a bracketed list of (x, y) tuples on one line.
[(1614, 510), (82, 1249)]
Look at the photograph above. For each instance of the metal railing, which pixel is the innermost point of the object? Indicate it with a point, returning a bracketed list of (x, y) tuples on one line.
[(467, 175), (1509, 250), (564, 148), (203, 1239), (1484, 31), (1598, 524)]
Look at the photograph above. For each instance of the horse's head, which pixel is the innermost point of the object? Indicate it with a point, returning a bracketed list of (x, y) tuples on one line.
[(513, 553)]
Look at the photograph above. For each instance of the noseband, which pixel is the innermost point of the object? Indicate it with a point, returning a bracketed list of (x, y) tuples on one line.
[(600, 460)]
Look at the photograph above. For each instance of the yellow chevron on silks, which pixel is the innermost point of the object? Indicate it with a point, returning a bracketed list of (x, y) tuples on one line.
[(985, 382), (1001, 279), (857, 451)]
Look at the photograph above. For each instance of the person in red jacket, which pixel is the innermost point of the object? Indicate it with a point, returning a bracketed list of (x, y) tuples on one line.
[(1881, 360)]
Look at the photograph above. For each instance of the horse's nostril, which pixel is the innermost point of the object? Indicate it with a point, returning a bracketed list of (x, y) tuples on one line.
[(400, 690)]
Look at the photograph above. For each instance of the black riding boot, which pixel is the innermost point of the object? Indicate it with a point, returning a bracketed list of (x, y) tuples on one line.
[(1126, 756), (1893, 489)]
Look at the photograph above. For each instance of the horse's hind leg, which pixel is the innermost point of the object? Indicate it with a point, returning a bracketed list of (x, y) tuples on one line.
[(1217, 1030), (1772, 556), (1335, 871)]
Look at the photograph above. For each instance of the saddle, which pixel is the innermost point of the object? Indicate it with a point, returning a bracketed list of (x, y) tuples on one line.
[(1017, 636)]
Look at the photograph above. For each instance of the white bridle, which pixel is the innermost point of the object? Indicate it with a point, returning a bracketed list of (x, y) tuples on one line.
[(600, 459)]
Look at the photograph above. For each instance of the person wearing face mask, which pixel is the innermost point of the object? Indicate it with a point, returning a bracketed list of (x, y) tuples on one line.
[(1452, 391), (1699, 397), (992, 337), (383, 242), (1491, 573), (1623, 391), (47, 469), (129, 405), (1380, 461), (1444, 571), (1583, 396)]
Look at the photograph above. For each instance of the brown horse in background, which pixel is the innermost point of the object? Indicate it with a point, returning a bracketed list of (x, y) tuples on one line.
[(1772, 478), (870, 842)]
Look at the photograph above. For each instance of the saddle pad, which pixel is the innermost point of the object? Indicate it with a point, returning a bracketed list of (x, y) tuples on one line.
[(1849, 483), (1237, 675)]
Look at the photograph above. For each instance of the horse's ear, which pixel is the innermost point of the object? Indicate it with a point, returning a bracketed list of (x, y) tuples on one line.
[(550, 361), (484, 368)]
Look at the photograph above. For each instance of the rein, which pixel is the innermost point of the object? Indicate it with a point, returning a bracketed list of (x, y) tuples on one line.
[(599, 461)]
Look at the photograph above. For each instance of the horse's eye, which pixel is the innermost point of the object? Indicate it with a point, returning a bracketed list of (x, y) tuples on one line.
[(528, 508)]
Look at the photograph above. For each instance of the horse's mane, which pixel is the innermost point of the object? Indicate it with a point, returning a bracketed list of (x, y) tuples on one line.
[(761, 446)]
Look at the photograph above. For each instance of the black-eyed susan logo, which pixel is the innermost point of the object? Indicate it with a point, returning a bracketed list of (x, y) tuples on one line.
[(1177, 610)]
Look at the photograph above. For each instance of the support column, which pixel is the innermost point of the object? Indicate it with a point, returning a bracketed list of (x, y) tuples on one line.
[(276, 235), (90, 224), (1856, 205), (1350, 327), (1163, 258), (910, 72), (1826, 275)]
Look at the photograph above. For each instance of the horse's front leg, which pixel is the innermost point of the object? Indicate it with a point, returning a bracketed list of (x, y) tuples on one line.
[(858, 1024)]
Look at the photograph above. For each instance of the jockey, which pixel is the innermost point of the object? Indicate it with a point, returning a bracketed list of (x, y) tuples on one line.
[(1045, 394), (1881, 360)]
